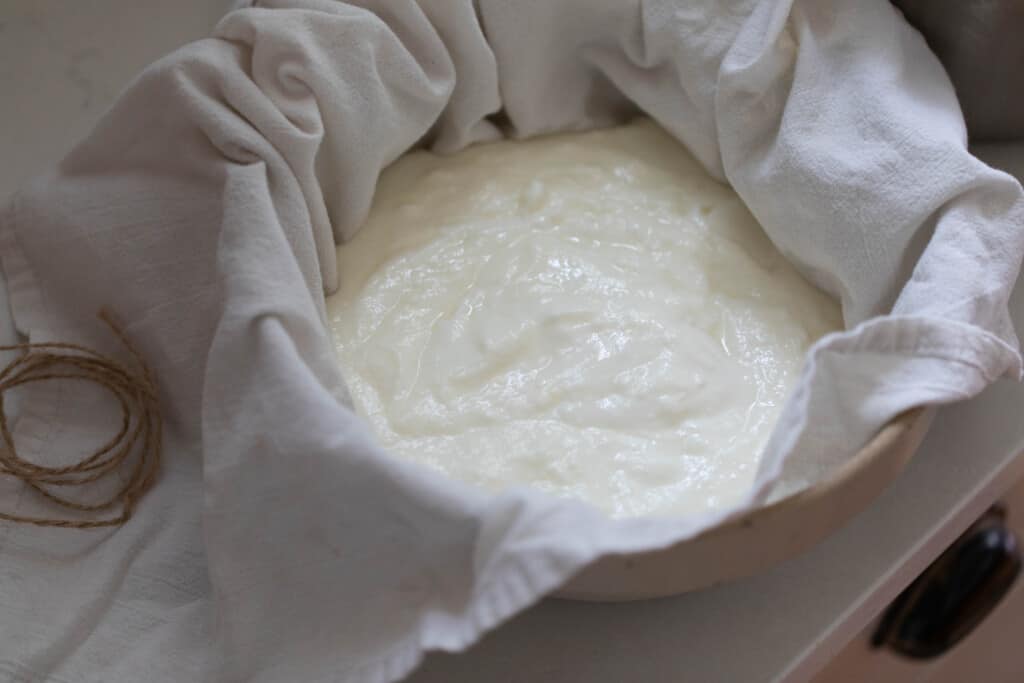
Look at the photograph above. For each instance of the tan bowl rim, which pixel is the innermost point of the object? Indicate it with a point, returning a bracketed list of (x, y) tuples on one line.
[(757, 539), (880, 443)]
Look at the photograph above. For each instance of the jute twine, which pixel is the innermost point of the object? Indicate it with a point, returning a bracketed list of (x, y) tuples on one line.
[(138, 440)]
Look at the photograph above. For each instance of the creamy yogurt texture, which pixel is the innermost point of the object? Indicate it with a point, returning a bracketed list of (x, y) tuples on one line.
[(590, 314)]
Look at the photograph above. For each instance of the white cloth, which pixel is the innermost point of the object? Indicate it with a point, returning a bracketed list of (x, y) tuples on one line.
[(281, 544)]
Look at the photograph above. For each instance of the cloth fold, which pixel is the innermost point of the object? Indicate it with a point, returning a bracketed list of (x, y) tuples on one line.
[(280, 542)]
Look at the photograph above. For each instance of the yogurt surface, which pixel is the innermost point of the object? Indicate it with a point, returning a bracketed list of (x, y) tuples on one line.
[(588, 313)]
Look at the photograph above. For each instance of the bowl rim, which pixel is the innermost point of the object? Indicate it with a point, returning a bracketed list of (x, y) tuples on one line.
[(758, 539)]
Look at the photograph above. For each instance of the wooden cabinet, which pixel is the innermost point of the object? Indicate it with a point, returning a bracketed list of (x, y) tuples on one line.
[(992, 653)]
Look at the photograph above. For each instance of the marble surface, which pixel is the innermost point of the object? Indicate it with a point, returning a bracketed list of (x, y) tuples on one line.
[(62, 63)]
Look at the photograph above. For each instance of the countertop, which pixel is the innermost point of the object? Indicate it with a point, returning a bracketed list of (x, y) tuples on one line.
[(62, 63)]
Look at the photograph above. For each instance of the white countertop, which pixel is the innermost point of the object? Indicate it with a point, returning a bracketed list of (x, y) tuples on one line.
[(61, 64)]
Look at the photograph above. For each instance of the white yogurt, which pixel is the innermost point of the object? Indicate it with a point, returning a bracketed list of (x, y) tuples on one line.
[(590, 314)]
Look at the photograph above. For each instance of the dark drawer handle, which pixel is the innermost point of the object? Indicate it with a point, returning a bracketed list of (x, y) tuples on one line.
[(955, 593)]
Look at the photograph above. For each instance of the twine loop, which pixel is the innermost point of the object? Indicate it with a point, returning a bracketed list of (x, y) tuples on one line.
[(132, 454)]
